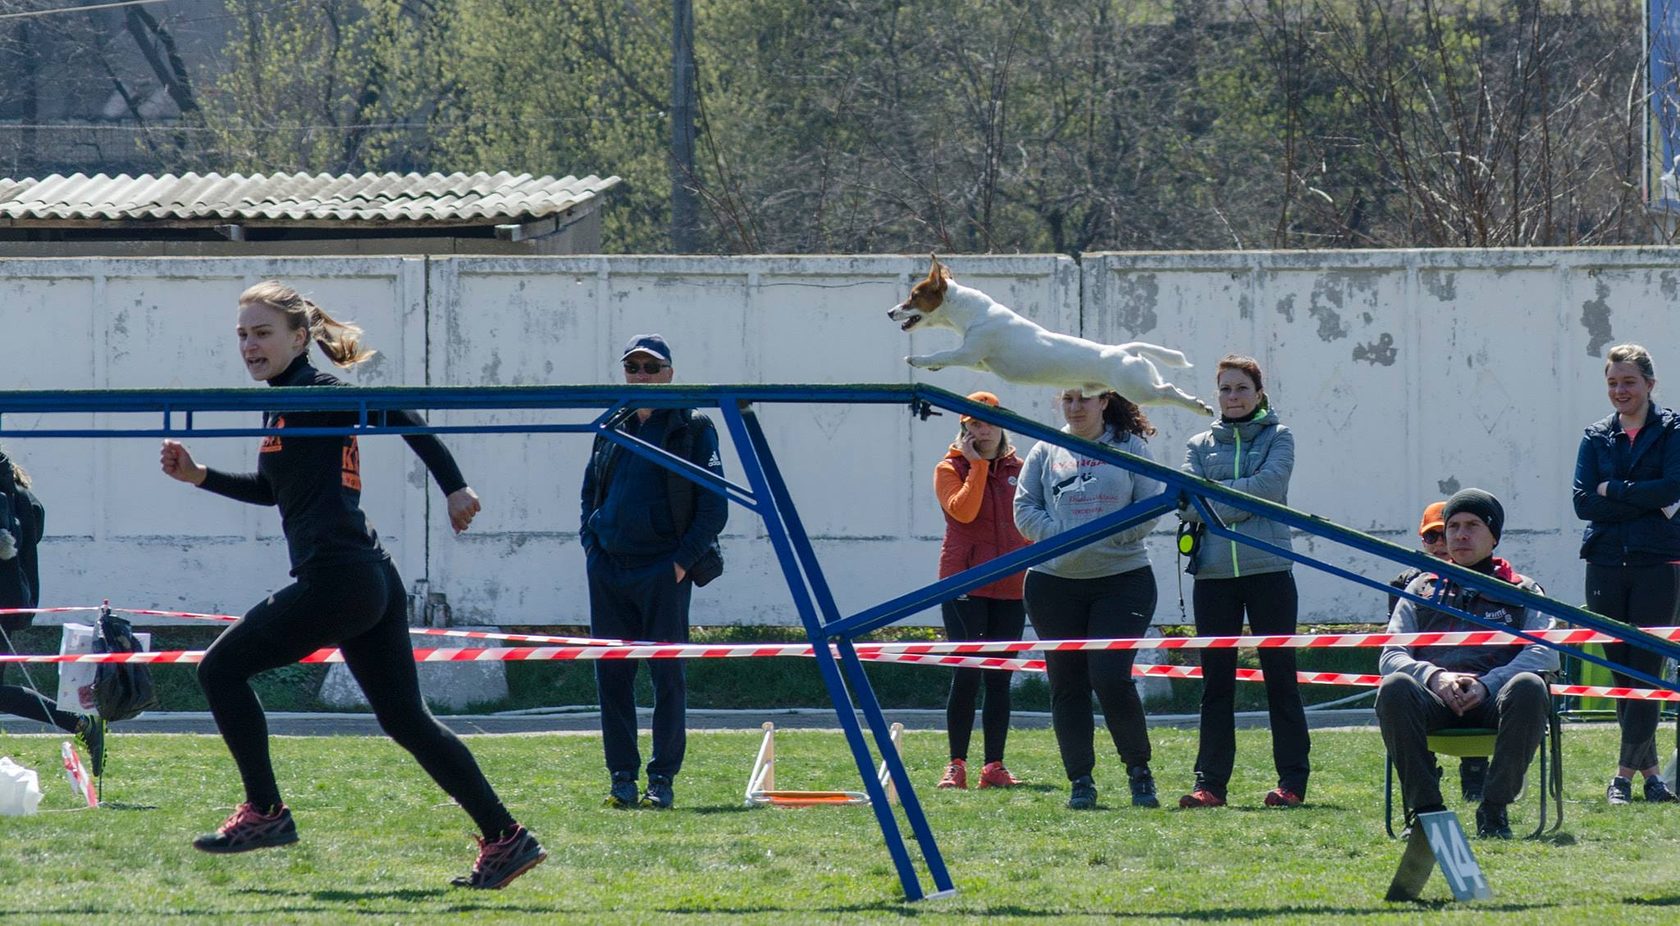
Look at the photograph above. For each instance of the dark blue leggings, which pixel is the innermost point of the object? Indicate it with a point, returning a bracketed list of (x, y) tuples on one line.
[(361, 608)]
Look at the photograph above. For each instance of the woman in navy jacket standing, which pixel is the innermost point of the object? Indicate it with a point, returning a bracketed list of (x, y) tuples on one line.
[(1627, 487)]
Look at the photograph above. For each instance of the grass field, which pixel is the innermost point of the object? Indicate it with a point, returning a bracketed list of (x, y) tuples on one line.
[(379, 843)]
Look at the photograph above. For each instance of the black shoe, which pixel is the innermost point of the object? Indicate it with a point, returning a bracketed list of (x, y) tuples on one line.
[(1472, 777), (1657, 792), (1143, 786), (1492, 822), (249, 828), (503, 860), (90, 732), (1620, 791), (658, 795), (623, 793), (1083, 794)]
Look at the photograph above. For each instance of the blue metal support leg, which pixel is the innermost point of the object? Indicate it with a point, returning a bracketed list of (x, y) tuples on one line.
[(768, 488)]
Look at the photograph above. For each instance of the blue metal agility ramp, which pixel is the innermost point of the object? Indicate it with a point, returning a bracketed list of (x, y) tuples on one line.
[(766, 494)]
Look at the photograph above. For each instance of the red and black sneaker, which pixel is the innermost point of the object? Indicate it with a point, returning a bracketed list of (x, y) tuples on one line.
[(1200, 797), (503, 860), (1282, 797), (250, 828)]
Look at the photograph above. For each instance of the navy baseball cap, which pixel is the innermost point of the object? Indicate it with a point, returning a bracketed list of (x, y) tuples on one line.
[(648, 344)]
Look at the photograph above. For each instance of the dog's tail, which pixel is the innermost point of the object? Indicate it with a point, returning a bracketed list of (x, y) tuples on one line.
[(1162, 355)]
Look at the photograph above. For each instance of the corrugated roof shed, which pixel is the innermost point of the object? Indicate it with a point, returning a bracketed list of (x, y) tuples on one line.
[(294, 200)]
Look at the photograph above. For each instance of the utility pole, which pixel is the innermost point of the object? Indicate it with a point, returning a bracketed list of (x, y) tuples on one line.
[(684, 208)]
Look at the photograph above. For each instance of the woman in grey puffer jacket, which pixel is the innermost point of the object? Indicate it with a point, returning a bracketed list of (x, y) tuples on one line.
[(1248, 450)]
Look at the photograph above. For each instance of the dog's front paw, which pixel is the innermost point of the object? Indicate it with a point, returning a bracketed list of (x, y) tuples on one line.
[(923, 362)]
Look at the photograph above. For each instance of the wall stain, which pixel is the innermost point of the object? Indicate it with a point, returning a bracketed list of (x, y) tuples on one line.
[(1327, 292), (1443, 286), (1136, 297), (1595, 317), (1381, 352), (1448, 486), (493, 370), (1670, 285), (1286, 307)]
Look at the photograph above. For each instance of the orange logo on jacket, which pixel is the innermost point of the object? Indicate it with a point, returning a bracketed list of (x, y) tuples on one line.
[(352, 478), (271, 443)]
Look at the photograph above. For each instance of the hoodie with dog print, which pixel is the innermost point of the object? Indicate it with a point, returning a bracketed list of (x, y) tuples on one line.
[(1061, 489)]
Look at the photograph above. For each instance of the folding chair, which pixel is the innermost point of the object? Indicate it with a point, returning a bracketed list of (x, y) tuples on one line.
[(1474, 742)]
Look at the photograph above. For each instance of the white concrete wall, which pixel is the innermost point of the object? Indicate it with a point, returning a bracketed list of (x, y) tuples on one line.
[(1404, 375), (118, 528), (861, 475), (1407, 375)]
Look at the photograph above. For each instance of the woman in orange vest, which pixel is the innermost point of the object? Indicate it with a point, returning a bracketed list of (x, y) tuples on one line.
[(976, 488)]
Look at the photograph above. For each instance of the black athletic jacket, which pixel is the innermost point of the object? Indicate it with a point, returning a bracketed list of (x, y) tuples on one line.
[(317, 481), (22, 514)]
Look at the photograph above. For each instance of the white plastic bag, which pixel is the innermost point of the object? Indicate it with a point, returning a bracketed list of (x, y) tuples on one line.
[(20, 789), (75, 680)]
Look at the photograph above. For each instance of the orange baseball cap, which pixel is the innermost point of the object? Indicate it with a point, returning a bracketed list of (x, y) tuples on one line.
[(1432, 518), (981, 396)]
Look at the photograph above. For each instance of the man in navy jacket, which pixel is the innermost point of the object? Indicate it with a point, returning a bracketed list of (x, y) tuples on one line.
[(648, 535)]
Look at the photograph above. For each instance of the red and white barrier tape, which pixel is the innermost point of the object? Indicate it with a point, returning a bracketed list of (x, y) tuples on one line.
[(573, 653), (421, 631), (1573, 636)]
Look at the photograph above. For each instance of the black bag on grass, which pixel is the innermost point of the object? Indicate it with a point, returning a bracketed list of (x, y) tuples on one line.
[(121, 690)]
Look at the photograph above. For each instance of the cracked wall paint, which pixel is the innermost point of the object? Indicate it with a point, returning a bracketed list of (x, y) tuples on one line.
[(1327, 297), (1378, 353)]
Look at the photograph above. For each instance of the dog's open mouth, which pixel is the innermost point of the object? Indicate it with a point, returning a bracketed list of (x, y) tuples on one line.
[(910, 323)]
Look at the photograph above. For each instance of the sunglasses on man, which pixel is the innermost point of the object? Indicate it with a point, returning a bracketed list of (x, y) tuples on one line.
[(651, 367), (1433, 535)]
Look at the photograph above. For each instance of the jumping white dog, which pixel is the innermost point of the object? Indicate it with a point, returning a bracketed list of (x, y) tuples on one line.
[(997, 339)]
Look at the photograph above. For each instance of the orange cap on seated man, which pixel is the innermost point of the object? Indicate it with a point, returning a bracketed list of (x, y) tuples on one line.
[(1432, 518)]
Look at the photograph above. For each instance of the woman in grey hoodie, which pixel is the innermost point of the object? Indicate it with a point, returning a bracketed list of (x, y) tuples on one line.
[(1105, 589), (1247, 449)]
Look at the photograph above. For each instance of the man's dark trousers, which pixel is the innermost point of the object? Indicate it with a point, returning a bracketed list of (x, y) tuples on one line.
[(1408, 712), (640, 603)]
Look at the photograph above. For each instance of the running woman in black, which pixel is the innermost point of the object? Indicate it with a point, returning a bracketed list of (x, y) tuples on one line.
[(346, 591)]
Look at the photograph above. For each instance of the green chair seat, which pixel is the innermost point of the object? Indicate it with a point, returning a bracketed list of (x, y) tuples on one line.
[(1464, 743)]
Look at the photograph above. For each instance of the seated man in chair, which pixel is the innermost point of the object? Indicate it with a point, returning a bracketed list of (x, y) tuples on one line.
[(1429, 688)]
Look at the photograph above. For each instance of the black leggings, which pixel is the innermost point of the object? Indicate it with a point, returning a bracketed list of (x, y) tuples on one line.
[(1644, 596), (361, 608), (1073, 609), (975, 618), (1271, 601), (27, 702)]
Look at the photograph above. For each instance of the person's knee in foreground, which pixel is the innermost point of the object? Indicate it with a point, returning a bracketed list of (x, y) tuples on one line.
[(1429, 688), (1627, 482), (1247, 449), (1103, 590), (649, 536), (975, 485), (346, 590), (1432, 535)]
